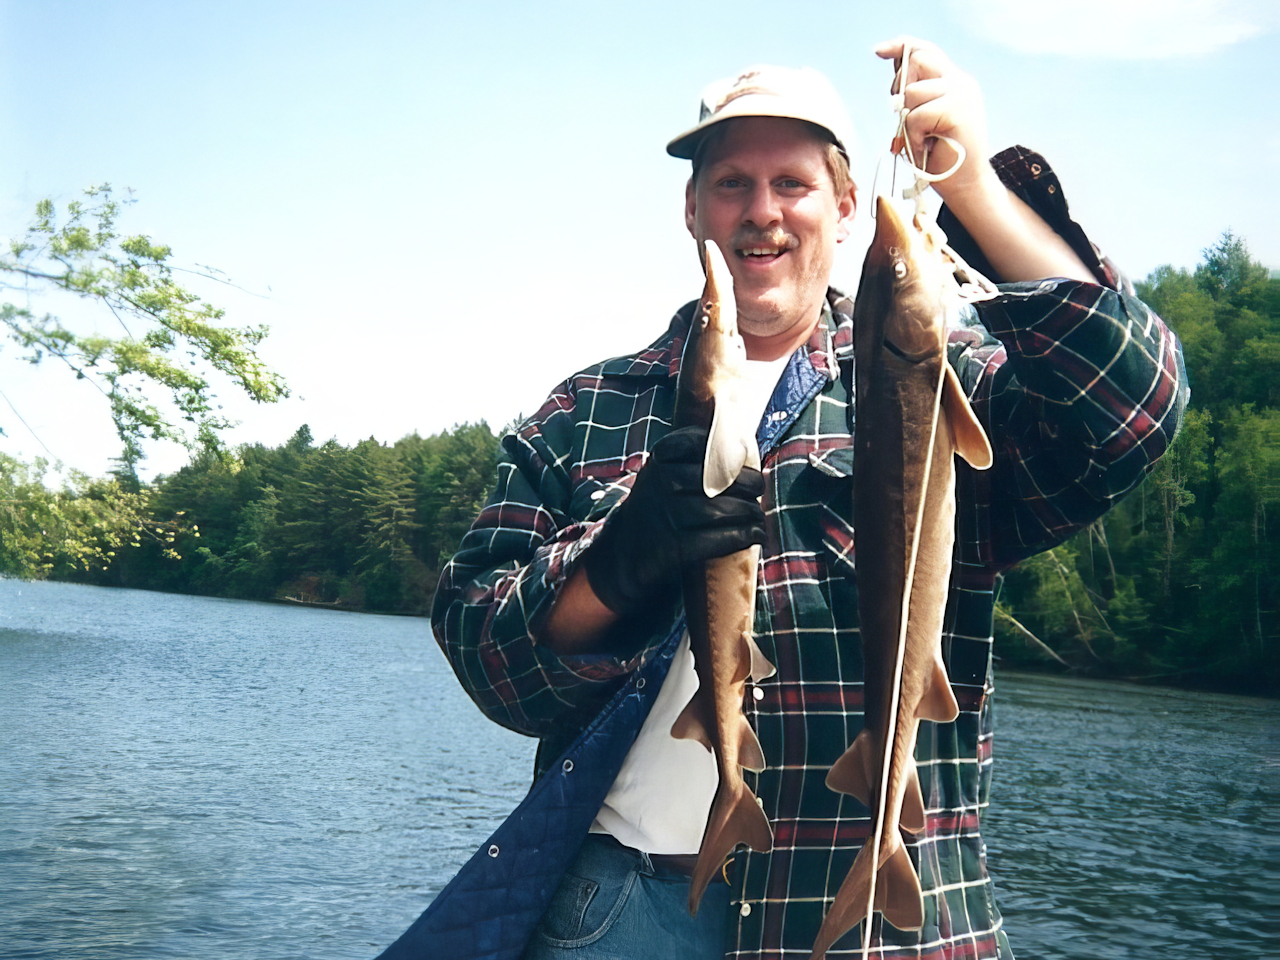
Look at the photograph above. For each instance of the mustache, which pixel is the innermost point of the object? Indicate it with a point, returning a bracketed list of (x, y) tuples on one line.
[(747, 237)]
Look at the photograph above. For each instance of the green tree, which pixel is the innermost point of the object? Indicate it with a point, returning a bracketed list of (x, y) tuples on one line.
[(78, 528), (1179, 581), (172, 341), (456, 473)]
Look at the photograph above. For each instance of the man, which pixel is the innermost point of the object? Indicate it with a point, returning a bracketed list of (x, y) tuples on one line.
[(560, 612)]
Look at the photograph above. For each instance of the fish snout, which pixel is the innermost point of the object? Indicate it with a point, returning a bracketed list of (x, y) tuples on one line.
[(891, 241)]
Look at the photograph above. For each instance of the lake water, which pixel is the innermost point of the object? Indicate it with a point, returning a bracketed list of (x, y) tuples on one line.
[(198, 778)]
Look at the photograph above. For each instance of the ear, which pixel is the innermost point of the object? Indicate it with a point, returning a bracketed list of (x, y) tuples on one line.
[(690, 207), (847, 207)]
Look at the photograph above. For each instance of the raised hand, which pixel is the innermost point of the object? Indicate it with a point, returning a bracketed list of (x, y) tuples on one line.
[(944, 101)]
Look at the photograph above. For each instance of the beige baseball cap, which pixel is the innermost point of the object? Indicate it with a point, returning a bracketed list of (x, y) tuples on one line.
[(765, 91)]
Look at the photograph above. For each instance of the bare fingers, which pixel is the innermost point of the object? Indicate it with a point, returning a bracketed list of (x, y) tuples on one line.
[(926, 60)]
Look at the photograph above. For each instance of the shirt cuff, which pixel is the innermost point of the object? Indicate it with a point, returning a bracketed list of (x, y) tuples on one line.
[(1028, 175)]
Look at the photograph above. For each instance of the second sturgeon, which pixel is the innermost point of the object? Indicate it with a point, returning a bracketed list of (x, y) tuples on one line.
[(912, 416), (719, 594)]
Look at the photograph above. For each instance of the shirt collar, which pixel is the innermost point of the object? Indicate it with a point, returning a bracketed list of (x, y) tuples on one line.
[(831, 342)]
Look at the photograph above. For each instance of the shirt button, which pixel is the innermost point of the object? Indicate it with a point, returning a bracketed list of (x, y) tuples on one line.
[(745, 910), (757, 693), (597, 495), (1052, 188)]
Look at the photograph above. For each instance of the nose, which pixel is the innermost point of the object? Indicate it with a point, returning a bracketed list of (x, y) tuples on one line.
[(762, 207)]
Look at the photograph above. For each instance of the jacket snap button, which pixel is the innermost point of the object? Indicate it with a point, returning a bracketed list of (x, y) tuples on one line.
[(567, 766), (745, 910), (640, 684), (1035, 169), (493, 850)]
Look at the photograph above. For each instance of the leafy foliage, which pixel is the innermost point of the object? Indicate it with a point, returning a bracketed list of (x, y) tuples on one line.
[(172, 339), (77, 529), (365, 527), (1179, 582)]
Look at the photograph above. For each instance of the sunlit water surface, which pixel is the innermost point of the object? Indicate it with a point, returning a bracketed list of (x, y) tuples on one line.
[(198, 778)]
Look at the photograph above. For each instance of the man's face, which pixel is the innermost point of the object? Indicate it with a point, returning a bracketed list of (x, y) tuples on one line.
[(765, 195)]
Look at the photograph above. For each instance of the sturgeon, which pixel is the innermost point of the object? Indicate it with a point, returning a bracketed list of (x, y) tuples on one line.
[(719, 594), (912, 416)]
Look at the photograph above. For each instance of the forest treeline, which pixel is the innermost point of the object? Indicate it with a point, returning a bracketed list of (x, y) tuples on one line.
[(365, 527), (1177, 583)]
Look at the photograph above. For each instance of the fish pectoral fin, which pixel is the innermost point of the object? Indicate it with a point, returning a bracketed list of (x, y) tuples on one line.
[(761, 668), (912, 817), (750, 753), (694, 722), (939, 701), (735, 818), (970, 439), (731, 445), (854, 772), (898, 891)]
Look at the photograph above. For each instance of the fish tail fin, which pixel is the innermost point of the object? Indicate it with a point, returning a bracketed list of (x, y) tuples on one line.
[(898, 894), (939, 701), (855, 771), (736, 817), (850, 905), (694, 721)]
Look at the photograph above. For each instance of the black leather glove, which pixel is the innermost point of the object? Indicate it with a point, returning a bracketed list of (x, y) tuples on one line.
[(666, 520)]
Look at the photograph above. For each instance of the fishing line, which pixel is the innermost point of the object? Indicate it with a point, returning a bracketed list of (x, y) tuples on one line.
[(881, 806), (973, 286)]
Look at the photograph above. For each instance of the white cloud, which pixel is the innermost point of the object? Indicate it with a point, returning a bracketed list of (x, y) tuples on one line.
[(1118, 29)]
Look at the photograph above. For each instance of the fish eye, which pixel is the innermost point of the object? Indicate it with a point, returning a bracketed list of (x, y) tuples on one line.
[(900, 269)]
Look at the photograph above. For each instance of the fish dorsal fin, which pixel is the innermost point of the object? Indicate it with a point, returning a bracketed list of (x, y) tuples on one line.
[(855, 770), (750, 753), (939, 701), (912, 819), (694, 721), (761, 668), (971, 440), (731, 445)]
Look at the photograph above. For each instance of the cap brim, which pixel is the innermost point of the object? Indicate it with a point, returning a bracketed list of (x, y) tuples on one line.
[(686, 145)]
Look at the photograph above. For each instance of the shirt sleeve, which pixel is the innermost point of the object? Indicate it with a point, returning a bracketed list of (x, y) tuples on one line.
[(1080, 385), (495, 594)]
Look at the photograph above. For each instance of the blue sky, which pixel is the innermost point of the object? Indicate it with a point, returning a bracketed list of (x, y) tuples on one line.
[(443, 209)]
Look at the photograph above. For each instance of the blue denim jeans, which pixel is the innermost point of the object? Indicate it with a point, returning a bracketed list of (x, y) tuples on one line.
[(614, 905)]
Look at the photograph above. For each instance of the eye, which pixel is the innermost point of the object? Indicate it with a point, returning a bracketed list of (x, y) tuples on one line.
[(900, 269)]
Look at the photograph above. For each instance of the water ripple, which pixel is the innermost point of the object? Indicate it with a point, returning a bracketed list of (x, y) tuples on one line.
[(200, 778)]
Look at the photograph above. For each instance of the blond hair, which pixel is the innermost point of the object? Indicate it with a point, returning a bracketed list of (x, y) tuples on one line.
[(837, 162)]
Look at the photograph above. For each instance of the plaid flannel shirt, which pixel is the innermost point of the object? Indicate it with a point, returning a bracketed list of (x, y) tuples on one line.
[(1081, 388)]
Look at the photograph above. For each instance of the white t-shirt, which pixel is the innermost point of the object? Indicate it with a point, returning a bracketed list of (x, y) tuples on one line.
[(662, 795)]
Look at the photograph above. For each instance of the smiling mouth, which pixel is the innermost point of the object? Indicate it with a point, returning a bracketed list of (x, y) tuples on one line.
[(760, 254)]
